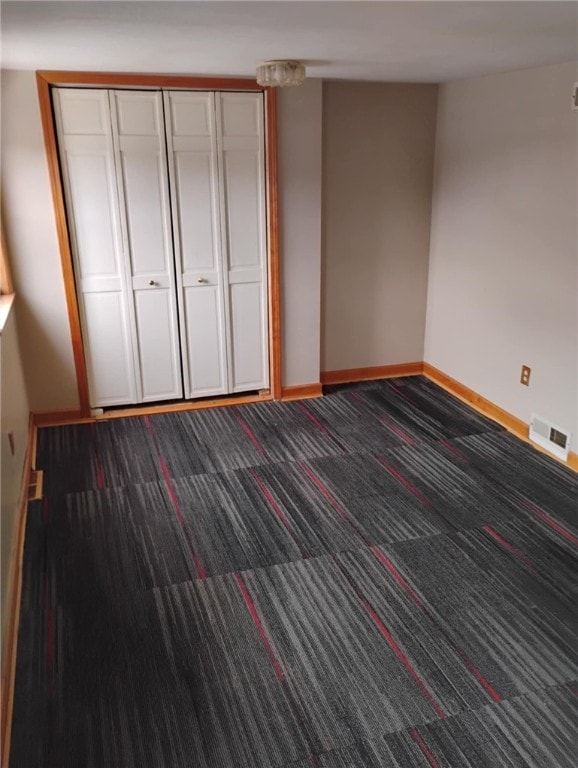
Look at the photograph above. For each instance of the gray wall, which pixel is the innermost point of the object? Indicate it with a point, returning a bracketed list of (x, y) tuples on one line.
[(300, 115), (503, 263), (378, 150)]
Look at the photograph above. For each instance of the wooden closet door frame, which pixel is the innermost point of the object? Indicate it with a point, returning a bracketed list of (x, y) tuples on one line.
[(45, 80)]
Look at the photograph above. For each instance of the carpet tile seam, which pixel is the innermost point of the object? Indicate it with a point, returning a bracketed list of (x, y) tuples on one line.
[(453, 717), (361, 547)]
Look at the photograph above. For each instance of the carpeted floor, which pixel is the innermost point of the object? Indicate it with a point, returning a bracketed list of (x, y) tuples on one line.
[(381, 577)]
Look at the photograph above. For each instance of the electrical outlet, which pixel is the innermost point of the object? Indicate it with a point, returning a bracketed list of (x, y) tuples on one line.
[(525, 377)]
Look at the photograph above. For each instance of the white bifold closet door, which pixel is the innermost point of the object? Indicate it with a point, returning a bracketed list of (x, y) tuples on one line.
[(113, 156), (169, 308), (216, 163), (141, 169)]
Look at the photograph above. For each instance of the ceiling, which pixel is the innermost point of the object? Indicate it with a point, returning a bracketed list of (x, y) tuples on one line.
[(388, 41)]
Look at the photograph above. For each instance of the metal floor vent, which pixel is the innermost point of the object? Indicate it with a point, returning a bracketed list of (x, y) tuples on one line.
[(550, 436), (35, 483)]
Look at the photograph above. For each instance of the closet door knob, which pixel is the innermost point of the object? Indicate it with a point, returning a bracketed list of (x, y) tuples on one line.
[(201, 280), (152, 282)]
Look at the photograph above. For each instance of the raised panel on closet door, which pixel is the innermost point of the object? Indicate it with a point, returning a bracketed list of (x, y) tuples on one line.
[(191, 144), (240, 136), (139, 143), (86, 152)]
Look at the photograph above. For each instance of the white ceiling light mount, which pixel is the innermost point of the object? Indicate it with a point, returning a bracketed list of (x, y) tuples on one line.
[(280, 72)]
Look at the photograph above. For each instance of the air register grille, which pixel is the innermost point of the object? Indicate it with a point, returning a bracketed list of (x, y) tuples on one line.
[(550, 436)]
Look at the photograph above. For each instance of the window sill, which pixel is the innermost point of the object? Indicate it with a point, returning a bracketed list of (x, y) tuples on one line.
[(6, 302)]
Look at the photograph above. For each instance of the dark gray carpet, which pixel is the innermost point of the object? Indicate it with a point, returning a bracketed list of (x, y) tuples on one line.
[(381, 577)]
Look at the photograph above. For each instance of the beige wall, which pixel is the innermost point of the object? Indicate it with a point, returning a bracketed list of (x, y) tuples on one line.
[(503, 262), (14, 414), (378, 145), (300, 114), (31, 236)]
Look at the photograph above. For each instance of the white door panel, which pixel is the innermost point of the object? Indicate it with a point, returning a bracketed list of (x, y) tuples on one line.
[(108, 357), (248, 275), (89, 179), (191, 115), (242, 115), (144, 203), (85, 144), (248, 342), (244, 220), (192, 151), (138, 114), (139, 144), (159, 369), (240, 137), (82, 112), (204, 333), (100, 284), (196, 205)]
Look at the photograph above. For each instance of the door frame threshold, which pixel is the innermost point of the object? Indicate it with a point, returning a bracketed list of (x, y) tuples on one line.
[(59, 418)]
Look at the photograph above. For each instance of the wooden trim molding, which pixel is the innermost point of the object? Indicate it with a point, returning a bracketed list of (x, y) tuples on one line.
[(368, 374), (75, 416), (302, 391), (272, 180), (43, 85), (481, 404), (14, 591), (572, 460), (135, 79), (55, 418), (6, 284), (45, 80)]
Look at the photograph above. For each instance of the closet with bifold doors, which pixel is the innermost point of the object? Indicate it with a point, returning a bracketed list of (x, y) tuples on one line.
[(165, 201)]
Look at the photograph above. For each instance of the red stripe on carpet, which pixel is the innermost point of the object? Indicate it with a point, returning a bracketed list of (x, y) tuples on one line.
[(260, 628), (312, 417), (322, 427), (331, 498), (175, 501), (398, 391), (453, 449), (397, 575), (418, 601), (424, 748), (269, 496), (403, 658), (391, 641), (549, 521), (404, 482), (388, 422), (514, 551), (250, 434), (279, 512)]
